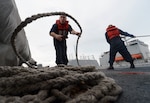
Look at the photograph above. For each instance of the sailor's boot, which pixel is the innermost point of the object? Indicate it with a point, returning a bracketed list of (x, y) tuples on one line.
[(110, 68), (132, 65)]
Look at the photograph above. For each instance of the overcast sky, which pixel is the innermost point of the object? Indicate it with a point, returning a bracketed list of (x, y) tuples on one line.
[(132, 16)]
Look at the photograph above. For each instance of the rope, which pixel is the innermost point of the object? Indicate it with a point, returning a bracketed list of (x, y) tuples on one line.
[(143, 36), (124, 37), (77, 50), (33, 18), (68, 86)]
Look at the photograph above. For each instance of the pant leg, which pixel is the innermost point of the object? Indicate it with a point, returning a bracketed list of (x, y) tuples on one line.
[(112, 56), (64, 53), (59, 55), (125, 53)]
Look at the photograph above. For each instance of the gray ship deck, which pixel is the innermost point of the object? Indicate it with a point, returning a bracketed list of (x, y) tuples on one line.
[(134, 82)]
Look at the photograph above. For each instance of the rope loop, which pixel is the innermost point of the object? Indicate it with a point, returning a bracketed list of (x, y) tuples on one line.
[(31, 19)]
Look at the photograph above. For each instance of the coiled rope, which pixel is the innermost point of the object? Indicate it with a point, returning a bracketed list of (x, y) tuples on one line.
[(56, 85), (33, 18)]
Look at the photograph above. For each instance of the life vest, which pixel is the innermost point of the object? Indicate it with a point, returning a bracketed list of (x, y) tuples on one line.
[(112, 32), (64, 26)]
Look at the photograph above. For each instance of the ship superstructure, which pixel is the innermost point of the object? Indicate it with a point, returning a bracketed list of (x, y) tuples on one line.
[(138, 49)]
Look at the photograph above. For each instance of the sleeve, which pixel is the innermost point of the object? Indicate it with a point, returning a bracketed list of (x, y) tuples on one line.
[(107, 39), (70, 28), (54, 28), (125, 33)]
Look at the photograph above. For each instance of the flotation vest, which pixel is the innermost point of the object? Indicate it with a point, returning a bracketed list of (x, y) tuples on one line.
[(64, 26), (112, 32)]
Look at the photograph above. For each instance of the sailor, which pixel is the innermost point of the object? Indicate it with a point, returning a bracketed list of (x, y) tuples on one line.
[(117, 45), (59, 32)]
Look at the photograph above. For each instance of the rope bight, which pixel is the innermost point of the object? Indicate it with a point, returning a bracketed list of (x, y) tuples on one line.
[(33, 18)]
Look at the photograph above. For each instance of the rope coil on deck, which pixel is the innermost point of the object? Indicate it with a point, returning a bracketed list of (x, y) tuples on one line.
[(56, 85)]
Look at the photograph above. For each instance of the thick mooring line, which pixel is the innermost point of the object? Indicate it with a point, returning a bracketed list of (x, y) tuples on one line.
[(33, 18)]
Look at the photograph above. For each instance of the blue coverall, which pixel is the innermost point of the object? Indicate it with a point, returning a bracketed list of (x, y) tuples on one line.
[(60, 46), (117, 45)]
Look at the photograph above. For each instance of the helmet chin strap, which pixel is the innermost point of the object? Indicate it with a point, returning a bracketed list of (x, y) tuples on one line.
[(33, 18)]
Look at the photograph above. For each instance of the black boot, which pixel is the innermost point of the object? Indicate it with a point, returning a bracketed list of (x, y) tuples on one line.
[(110, 68), (132, 65)]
